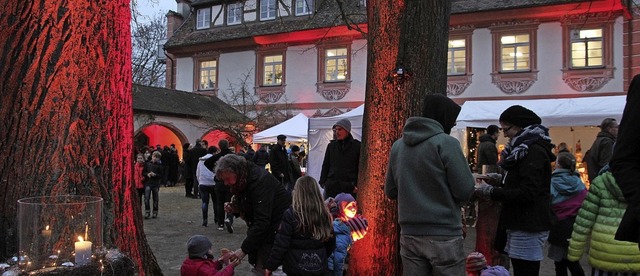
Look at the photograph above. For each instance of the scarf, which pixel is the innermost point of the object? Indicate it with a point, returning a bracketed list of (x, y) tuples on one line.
[(518, 147)]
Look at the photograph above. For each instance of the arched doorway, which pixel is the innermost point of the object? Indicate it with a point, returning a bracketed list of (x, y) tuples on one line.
[(159, 134)]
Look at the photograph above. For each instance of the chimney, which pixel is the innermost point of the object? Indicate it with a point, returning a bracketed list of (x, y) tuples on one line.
[(184, 7), (174, 21)]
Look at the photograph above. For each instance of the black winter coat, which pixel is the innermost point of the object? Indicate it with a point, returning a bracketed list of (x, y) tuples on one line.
[(625, 164), (157, 169), (279, 163), (262, 204), (525, 196), (299, 253), (487, 152), (340, 166)]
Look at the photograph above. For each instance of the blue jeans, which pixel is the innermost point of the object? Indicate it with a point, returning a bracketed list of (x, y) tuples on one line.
[(207, 192), (148, 191), (432, 255)]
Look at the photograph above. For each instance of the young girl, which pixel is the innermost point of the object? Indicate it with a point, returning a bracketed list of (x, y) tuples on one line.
[(201, 262), (305, 237), (348, 227), (138, 178), (567, 194)]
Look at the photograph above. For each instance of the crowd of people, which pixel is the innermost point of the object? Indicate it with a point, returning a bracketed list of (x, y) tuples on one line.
[(306, 227)]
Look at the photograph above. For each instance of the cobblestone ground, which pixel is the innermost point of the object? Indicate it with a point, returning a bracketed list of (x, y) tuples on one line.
[(180, 217)]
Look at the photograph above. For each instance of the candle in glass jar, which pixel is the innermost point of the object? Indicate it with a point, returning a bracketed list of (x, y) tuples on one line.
[(83, 251), (46, 233)]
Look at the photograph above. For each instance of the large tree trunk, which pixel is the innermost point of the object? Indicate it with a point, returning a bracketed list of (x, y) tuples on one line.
[(67, 127), (412, 34)]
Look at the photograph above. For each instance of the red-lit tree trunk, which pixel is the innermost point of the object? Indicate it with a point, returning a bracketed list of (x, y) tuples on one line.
[(412, 34), (66, 115)]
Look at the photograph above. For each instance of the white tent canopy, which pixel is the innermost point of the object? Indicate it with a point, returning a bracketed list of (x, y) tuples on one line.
[(295, 129), (554, 112), (321, 133)]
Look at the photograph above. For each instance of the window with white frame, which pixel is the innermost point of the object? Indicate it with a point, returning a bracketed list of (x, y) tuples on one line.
[(587, 48), (457, 57), (208, 74), (268, 9), (272, 70), (203, 18), (336, 65), (304, 7), (515, 53), (234, 13)]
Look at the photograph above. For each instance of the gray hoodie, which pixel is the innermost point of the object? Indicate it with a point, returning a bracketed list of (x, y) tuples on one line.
[(429, 176)]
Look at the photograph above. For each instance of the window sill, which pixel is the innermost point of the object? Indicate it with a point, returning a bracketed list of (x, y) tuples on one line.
[(588, 79), (457, 84), (333, 91), (514, 83), (270, 94)]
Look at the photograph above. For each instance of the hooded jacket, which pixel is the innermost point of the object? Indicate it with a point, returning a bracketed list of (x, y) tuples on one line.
[(205, 176), (429, 176), (597, 222), (567, 194), (204, 267)]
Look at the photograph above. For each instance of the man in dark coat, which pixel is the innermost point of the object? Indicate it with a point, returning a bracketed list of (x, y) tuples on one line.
[(260, 199), (261, 158), (341, 161), (487, 151), (279, 163), (222, 192), (602, 148), (625, 164), (188, 176), (195, 154)]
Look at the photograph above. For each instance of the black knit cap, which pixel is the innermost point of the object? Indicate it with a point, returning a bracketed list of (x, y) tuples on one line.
[(520, 116)]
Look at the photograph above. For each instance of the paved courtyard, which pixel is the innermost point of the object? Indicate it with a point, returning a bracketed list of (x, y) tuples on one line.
[(180, 217)]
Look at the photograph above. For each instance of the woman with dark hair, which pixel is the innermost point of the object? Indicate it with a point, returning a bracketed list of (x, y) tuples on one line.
[(526, 215), (260, 199)]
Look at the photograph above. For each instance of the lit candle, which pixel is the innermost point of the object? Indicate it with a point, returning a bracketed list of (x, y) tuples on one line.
[(83, 251), (46, 233)]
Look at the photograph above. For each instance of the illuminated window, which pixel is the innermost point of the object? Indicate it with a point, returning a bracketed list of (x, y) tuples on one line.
[(515, 67), (587, 51), (334, 69), (515, 54), (208, 74), (268, 9), (272, 70), (270, 73), (459, 75), (336, 65), (304, 7), (586, 48), (456, 58), (234, 13), (203, 18)]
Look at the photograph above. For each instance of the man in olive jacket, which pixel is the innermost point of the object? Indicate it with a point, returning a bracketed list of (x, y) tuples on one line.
[(429, 177)]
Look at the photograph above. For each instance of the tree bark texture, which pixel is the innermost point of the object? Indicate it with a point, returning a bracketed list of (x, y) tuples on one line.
[(66, 113), (412, 34)]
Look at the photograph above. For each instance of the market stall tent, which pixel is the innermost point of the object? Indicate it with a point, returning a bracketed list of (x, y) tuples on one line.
[(321, 133), (588, 111), (295, 129)]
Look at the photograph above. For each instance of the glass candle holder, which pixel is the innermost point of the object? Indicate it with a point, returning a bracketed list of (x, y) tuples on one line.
[(58, 229)]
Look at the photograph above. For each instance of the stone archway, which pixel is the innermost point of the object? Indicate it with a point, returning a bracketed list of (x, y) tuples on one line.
[(159, 133)]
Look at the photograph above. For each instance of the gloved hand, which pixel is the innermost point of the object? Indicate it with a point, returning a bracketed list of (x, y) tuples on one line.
[(483, 190), (494, 179)]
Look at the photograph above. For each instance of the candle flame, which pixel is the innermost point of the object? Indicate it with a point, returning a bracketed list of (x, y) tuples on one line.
[(80, 238), (46, 228)]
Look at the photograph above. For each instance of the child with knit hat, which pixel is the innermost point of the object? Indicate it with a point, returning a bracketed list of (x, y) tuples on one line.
[(476, 265), (201, 262), (348, 226)]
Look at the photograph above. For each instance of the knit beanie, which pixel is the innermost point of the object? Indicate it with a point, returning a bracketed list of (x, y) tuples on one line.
[(475, 262), (198, 246), (343, 197), (441, 109), (495, 271), (359, 227), (520, 116), (344, 123)]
